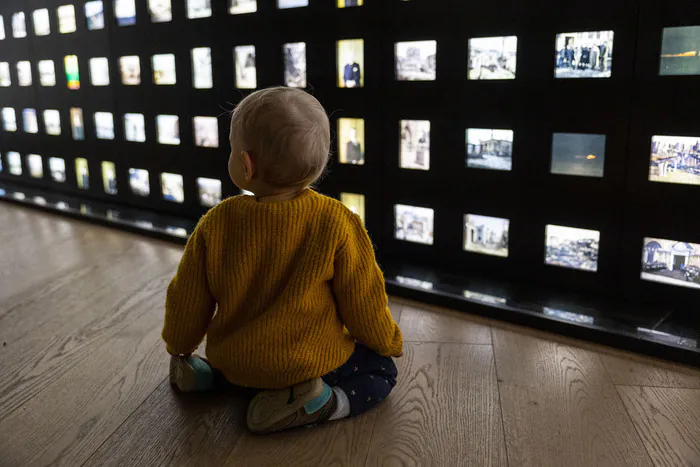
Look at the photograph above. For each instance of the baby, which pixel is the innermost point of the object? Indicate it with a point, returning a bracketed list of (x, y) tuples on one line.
[(285, 283)]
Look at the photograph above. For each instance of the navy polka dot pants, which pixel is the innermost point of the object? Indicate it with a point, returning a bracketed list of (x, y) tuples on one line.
[(367, 378)]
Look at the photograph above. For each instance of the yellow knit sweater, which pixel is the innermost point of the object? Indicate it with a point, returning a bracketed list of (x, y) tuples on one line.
[(273, 286)]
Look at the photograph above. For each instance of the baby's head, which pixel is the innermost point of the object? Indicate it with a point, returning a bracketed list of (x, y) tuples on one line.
[(280, 141)]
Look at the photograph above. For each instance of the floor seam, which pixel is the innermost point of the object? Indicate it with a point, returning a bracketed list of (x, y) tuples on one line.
[(654, 386), (444, 342), (500, 400), (107, 438)]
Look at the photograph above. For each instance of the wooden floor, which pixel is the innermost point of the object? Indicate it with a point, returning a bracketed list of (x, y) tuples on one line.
[(83, 379)]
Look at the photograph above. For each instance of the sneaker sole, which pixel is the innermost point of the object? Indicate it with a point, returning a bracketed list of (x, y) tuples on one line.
[(270, 407), (183, 377)]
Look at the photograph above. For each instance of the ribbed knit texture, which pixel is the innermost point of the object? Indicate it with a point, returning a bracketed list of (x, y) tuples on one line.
[(274, 285)]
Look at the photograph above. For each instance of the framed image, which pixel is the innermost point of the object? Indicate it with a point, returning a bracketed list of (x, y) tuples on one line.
[(66, 19), (572, 248), (492, 57), (354, 202), (416, 61), (295, 64), (72, 71), (246, 74), (139, 182), (161, 11), (99, 71), (42, 25), (206, 132), (486, 235), (47, 73), (413, 224), (125, 12), (134, 127), (168, 129), (104, 125), (578, 154), (2, 28), (24, 73), (209, 191), (31, 123), (201, 68), (351, 63), (9, 119), (52, 122), (130, 68), (82, 173), (5, 77), (35, 164), (671, 262), (198, 9), (680, 51), (57, 169), (94, 15), (349, 3), (164, 69), (76, 123), (351, 141), (284, 4), (14, 163), (171, 185), (240, 7), (675, 159), (489, 149), (583, 54), (109, 177), (414, 147), (19, 25)]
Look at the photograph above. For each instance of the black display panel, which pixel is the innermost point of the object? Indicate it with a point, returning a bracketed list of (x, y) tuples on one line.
[(476, 138)]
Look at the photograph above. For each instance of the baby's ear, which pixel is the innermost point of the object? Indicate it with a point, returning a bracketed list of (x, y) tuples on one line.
[(248, 165)]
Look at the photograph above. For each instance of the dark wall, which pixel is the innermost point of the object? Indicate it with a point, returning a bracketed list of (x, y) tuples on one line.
[(630, 107)]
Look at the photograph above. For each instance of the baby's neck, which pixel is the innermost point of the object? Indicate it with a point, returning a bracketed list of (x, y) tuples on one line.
[(279, 196)]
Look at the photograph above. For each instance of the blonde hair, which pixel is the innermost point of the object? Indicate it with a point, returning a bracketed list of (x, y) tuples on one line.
[(287, 134)]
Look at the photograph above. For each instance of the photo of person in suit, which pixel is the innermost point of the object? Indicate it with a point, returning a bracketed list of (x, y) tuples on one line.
[(350, 63)]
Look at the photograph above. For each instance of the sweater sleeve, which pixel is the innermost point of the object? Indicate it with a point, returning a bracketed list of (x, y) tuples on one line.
[(189, 304), (358, 285)]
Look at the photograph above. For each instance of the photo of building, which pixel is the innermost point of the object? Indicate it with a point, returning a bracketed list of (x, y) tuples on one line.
[(486, 235), (583, 54), (675, 159), (671, 262), (414, 147), (414, 224), (572, 248), (493, 57), (416, 61), (489, 149)]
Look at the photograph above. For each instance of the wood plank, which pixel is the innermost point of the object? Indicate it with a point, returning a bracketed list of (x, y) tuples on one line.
[(648, 372), (343, 442), (668, 420), (560, 407), (171, 428), (68, 420), (443, 411), (418, 325)]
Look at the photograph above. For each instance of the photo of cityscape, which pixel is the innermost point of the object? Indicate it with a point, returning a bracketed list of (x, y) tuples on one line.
[(680, 51), (416, 61), (675, 159), (493, 57), (489, 149), (671, 262), (583, 54), (572, 248), (414, 224), (486, 235)]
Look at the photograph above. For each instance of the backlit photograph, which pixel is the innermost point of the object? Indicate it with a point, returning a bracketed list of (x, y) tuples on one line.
[(171, 185), (489, 149), (246, 74), (354, 202), (583, 54), (198, 9), (52, 122), (161, 11), (77, 124), (35, 164), (675, 159), (24, 73), (109, 177), (130, 68), (413, 224), (351, 141), (139, 182), (415, 61), (47, 73), (94, 15), (82, 173), (104, 125), (19, 25), (209, 191), (14, 163), (493, 57), (241, 7), (42, 25), (66, 19), (680, 51), (125, 12), (351, 63), (164, 69), (168, 129), (415, 144), (57, 169), (572, 248), (72, 71), (99, 71), (671, 262), (30, 120), (486, 235), (206, 132), (201, 68), (578, 154), (9, 119), (295, 64), (283, 4), (134, 127), (5, 77)]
